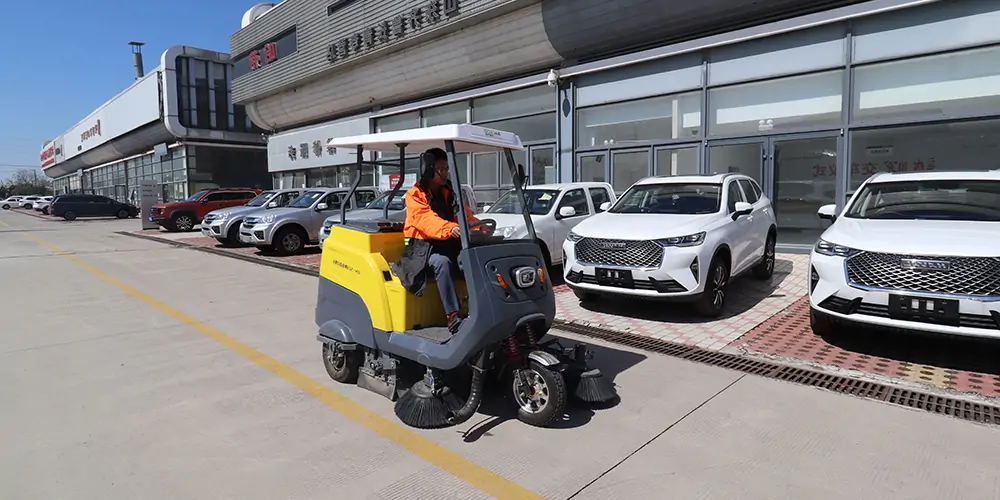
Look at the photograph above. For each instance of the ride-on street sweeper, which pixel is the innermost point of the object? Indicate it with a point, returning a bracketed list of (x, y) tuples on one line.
[(380, 335)]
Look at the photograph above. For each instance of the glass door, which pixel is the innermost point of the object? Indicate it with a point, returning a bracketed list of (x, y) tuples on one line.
[(543, 165), (592, 167), (676, 160), (803, 176), (739, 157), (629, 166)]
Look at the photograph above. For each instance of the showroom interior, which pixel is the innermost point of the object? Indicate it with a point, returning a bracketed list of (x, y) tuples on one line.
[(810, 111)]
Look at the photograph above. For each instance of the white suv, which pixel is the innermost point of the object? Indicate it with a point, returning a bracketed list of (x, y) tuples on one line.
[(913, 251), (675, 238)]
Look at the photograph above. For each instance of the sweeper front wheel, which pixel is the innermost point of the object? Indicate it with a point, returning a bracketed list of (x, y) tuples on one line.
[(540, 394), (342, 366)]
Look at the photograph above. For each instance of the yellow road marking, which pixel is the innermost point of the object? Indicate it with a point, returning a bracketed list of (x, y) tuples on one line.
[(486, 481)]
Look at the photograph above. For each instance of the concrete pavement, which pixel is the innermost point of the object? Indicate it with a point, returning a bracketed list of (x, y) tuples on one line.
[(132, 369)]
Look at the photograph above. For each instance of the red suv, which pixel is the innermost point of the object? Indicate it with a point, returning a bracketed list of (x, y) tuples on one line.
[(184, 215)]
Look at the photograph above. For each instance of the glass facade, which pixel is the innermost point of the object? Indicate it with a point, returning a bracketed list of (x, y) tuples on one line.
[(203, 89), (809, 114), (529, 112)]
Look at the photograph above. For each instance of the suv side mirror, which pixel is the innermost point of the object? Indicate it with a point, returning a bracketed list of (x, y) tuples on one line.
[(273, 204), (486, 207), (567, 212), (605, 206), (321, 207), (742, 208), (828, 212)]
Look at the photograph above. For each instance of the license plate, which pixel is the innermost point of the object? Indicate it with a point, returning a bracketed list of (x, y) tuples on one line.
[(928, 310), (614, 277)]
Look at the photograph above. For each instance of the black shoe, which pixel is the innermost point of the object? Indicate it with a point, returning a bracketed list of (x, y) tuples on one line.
[(454, 323)]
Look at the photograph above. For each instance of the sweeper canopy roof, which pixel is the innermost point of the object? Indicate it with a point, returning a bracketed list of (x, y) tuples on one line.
[(466, 138)]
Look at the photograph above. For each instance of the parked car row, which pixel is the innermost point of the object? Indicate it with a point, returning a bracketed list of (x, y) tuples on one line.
[(71, 206)]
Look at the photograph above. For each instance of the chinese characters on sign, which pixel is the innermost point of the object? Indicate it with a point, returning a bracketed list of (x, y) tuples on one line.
[(868, 169), (316, 148), (270, 51), (393, 30)]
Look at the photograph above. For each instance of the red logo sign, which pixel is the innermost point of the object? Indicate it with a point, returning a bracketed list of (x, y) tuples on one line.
[(91, 132), (48, 156), (393, 179)]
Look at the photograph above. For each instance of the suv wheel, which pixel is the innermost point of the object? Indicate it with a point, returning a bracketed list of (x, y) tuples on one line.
[(182, 222), (233, 236), (6, 206), (122, 214), (765, 269), (69, 215), (713, 300), (289, 241)]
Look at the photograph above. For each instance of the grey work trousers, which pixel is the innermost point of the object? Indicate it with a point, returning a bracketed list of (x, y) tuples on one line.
[(441, 266)]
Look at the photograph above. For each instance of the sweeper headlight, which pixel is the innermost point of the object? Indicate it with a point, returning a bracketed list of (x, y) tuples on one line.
[(525, 277)]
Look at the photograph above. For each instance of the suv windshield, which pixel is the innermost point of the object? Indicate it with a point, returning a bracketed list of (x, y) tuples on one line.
[(540, 202), (307, 199), (396, 204), (958, 200), (194, 197), (260, 199), (670, 198)]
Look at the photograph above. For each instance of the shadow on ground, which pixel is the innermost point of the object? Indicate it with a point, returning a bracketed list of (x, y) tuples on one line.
[(498, 406), (945, 351), (744, 294)]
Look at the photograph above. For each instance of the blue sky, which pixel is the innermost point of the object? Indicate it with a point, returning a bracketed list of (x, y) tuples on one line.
[(63, 58)]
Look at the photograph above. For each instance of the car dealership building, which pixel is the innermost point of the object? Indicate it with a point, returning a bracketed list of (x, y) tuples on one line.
[(175, 124), (810, 98)]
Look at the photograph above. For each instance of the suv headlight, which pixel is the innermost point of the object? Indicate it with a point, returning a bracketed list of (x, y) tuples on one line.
[(267, 219), (506, 231), (222, 216), (682, 241), (824, 247), (573, 237)]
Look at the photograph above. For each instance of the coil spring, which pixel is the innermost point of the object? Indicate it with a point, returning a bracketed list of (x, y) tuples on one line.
[(529, 330), (511, 347)]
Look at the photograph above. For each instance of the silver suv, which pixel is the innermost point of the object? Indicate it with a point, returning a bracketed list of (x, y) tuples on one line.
[(373, 211), (289, 229), (224, 224)]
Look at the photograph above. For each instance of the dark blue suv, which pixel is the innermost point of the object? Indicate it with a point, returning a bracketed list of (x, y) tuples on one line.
[(71, 206)]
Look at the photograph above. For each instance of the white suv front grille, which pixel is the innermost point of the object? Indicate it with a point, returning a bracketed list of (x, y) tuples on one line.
[(620, 253), (968, 276)]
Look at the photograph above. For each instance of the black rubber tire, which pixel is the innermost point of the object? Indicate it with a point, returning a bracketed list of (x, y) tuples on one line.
[(6, 207), (707, 304), (281, 247), (122, 214), (343, 368), (765, 269), (555, 406), (233, 236), (821, 324), (182, 222), (69, 215)]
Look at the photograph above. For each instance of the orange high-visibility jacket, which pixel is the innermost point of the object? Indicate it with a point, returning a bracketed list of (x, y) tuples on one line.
[(423, 223)]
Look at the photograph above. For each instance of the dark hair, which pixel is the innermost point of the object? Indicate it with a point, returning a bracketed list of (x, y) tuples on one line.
[(429, 159)]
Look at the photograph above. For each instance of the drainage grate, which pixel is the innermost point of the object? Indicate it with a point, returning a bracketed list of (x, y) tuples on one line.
[(965, 410)]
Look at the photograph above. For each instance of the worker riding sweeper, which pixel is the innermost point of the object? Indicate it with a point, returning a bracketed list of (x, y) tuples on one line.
[(383, 332)]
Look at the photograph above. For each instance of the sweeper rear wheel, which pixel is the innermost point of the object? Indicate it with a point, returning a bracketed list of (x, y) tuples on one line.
[(343, 366), (541, 397)]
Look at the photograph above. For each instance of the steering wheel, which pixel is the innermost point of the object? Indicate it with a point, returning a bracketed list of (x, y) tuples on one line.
[(484, 226)]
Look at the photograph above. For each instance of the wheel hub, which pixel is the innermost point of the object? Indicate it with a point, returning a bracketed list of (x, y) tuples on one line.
[(530, 391)]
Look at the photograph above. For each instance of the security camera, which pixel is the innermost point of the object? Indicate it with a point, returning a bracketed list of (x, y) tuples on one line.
[(553, 78)]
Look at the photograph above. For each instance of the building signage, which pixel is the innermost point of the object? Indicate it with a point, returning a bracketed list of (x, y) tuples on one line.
[(93, 131), (260, 56), (389, 31), (307, 147), (48, 156)]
